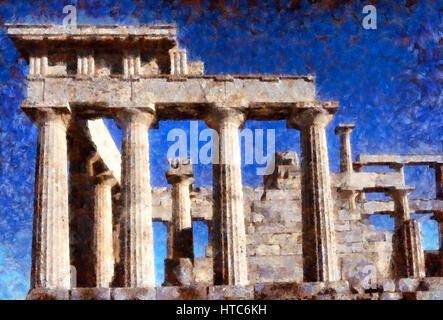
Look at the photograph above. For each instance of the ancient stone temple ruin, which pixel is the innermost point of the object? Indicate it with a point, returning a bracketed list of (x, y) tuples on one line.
[(304, 234)]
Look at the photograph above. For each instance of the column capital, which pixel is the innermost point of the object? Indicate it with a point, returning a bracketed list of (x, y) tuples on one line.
[(344, 128), (39, 114), (398, 193), (140, 115), (105, 178), (314, 114), (180, 170), (218, 116)]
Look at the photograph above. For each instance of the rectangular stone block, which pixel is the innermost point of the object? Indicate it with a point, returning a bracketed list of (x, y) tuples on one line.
[(429, 295), (342, 226), (386, 285), (90, 294), (277, 194), (279, 228), (275, 269), (203, 271), (133, 294), (182, 293), (277, 291), (391, 296), (375, 236), (47, 294), (407, 284), (432, 284), (231, 293), (267, 250), (310, 289), (278, 211)]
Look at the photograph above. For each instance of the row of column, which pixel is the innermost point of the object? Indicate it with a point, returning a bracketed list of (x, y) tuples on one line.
[(51, 226)]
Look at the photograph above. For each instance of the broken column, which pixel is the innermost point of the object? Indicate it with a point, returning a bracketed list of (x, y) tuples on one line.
[(409, 261), (319, 254), (137, 243), (229, 237), (50, 241), (179, 267), (103, 235)]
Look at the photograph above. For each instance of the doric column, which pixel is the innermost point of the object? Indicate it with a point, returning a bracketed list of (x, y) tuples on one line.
[(319, 255), (344, 131), (438, 167), (409, 261), (103, 236), (138, 246), (50, 242), (179, 268), (229, 242)]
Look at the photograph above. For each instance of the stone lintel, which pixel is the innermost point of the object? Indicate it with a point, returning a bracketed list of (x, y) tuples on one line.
[(392, 159), (176, 100)]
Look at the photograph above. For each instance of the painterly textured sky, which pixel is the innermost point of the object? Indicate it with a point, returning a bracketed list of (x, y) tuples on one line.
[(388, 82)]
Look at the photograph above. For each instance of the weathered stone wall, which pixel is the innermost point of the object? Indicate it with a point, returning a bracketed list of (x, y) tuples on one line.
[(274, 232)]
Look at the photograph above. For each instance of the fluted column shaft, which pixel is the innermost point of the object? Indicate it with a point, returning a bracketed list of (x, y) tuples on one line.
[(319, 253), (229, 242), (103, 237), (138, 246), (50, 249), (179, 267), (409, 258), (181, 206)]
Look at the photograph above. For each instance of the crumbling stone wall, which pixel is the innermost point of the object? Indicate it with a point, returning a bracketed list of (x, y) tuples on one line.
[(274, 230)]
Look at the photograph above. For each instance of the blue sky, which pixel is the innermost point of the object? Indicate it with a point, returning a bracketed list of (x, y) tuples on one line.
[(387, 81)]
